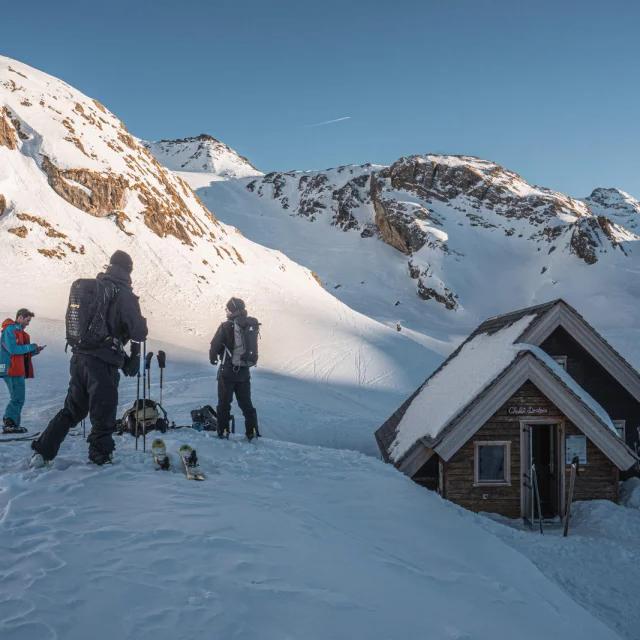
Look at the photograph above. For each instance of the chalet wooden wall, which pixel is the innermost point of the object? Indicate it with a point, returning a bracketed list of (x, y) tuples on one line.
[(596, 381), (598, 482)]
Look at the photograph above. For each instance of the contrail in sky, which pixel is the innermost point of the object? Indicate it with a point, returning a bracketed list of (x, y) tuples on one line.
[(320, 124)]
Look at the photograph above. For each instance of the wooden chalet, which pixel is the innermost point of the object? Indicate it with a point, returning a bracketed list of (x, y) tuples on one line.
[(527, 390)]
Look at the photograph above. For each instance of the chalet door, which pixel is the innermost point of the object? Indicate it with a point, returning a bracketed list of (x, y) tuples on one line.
[(526, 500)]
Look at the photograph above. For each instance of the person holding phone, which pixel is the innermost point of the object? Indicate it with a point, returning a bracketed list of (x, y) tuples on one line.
[(16, 352)]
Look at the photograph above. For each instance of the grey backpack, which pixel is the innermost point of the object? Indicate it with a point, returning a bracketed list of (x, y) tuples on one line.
[(245, 343)]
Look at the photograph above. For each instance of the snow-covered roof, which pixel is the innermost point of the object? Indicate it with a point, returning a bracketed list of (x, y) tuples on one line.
[(492, 358), (480, 360)]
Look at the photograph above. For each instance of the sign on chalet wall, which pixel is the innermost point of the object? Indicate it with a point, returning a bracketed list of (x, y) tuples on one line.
[(576, 446), (527, 410)]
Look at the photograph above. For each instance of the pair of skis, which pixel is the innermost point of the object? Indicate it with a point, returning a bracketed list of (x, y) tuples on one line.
[(187, 455)]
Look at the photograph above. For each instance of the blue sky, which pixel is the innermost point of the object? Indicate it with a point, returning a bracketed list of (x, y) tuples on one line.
[(548, 89)]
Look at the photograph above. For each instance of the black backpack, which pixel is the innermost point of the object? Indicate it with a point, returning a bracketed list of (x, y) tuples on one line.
[(86, 317), (204, 418), (245, 343)]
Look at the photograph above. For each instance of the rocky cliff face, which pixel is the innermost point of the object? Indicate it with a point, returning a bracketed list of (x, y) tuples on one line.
[(91, 161)]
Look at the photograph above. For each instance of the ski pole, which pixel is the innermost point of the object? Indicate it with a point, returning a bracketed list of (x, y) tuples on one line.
[(84, 431), (144, 398), (162, 363), (138, 399), (147, 364)]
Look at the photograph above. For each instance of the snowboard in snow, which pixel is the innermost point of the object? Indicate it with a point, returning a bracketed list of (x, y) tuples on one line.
[(190, 462), (18, 437), (160, 457)]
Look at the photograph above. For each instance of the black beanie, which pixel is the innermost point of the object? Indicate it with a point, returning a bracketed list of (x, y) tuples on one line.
[(235, 304), (122, 260)]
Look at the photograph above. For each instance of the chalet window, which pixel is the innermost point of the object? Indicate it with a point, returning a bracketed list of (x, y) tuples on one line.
[(492, 462), (561, 360), (620, 428)]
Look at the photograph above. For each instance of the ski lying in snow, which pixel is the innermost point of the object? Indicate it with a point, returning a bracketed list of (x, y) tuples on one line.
[(160, 456), (20, 438), (190, 462)]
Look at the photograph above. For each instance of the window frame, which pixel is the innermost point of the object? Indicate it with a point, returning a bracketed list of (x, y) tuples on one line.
[(506, 444), (621, 423), (561, 360)]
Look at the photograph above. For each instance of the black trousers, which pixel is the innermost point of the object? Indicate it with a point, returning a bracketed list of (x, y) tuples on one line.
[(93, 390), (242, 390)]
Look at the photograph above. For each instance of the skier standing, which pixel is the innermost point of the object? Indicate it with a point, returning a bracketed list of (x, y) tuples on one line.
[(115, 318), (16, 352), (234, 378)]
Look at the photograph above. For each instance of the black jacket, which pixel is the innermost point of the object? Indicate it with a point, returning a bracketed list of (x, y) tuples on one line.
[(124, 318), (223, 340)]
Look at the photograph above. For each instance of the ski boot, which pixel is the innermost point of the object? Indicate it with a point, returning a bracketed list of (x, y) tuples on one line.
[(37, 461), (9, 426), (223, 434), (250, 435), (99, 457)]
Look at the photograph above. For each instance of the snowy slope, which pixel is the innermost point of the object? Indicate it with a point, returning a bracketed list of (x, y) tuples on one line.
[(202, 153), (280, 541), (75, 186), (436, 244)]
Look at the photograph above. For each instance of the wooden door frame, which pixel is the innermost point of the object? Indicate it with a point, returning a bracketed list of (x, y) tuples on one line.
[(560, 456)]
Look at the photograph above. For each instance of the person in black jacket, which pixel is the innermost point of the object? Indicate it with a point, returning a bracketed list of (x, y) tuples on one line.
[(93, 388), (232, 379)]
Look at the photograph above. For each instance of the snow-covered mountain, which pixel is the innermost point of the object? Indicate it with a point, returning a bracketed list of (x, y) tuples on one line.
[(75, 185), (616, 205), (433, 244), (202, 153)]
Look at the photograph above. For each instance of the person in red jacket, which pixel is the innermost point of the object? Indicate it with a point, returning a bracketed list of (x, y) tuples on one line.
[(16, 352)]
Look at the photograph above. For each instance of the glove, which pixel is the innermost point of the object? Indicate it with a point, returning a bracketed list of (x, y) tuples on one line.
[(135, 348), (131, 366)]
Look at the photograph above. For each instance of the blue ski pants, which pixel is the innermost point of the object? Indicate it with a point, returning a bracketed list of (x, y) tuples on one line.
[(16, 387)]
